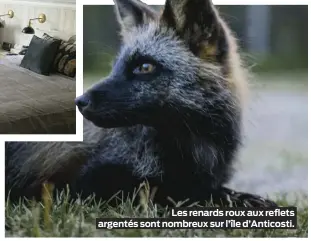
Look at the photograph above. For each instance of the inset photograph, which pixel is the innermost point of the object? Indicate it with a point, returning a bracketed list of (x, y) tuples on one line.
[(37, 67)]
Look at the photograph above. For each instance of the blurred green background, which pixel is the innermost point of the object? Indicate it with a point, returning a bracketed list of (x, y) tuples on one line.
[(273, 38)]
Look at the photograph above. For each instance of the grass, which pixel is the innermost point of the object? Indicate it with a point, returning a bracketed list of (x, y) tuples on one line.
[(78, 218), (64, 218), (86, 212)]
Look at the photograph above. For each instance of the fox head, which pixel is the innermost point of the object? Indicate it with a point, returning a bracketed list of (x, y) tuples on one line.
[(172, 65)]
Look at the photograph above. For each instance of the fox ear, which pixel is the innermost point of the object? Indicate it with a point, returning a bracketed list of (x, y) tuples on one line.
[(132, 13), (198, 24)]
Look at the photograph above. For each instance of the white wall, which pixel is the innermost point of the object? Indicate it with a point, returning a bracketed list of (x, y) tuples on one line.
[(60, 14)]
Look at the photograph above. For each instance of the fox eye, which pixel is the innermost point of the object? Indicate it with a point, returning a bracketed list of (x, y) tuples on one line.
[(145, 68)]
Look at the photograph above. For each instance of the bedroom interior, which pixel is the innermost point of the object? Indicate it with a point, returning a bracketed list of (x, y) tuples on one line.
[(37, 67)]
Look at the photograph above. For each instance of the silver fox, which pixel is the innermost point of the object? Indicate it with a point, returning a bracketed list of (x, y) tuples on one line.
[(170, 112)]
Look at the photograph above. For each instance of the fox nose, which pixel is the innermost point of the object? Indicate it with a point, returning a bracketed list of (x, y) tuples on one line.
[(82, 101)]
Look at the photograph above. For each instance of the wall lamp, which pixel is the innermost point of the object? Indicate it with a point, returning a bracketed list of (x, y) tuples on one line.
[(29, 29), (10, 14)]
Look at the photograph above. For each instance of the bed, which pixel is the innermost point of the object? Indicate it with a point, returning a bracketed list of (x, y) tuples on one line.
[(35, 104)]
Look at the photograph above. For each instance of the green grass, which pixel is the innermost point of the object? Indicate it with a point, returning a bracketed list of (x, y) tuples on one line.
[(80, 217), (64, 218)]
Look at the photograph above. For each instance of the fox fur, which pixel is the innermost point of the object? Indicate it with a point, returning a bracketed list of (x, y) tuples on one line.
[(177, 126)]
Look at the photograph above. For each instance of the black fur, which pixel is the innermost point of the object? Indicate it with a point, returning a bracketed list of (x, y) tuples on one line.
[(177, 126)]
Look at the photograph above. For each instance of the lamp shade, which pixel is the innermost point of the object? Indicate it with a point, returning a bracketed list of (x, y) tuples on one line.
[(28, 30)]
